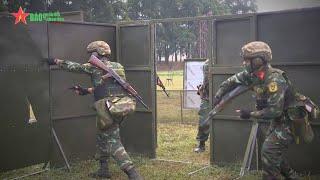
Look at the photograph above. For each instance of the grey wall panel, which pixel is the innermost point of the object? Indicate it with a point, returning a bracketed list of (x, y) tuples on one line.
[(69, 40), (77, 137), (136, 134), (25, 80), (18, 44), (135, 46), (135, 43), (229, 141), (38, 33), (65, 102), (293, 37), (230, 37), (305, 79), (73, 16), (140, 81)]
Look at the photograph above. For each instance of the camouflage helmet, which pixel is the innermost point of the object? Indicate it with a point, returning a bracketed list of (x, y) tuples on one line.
[(101, 47), (257, 49)]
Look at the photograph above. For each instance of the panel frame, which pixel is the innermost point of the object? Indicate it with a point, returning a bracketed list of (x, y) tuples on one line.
[(146, 68)]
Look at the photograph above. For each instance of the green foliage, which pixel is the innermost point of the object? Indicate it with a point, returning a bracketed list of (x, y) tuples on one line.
[(182, 38), (240, 6), (26, 5)]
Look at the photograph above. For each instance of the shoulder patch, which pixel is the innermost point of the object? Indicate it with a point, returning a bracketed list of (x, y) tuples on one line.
[(273, 87)]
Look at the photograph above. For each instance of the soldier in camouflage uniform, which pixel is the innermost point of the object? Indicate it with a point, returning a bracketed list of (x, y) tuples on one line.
[(112, 104), (203, 91), (275, 98)]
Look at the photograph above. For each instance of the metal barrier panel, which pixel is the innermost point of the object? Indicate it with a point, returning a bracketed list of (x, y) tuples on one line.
[(73, 16), (294, 39), (25, 86), (231, 34), (73, 117), (293, 36), (136, 55)]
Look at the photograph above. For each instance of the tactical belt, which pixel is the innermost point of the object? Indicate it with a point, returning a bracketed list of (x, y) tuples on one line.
[(106, 90)]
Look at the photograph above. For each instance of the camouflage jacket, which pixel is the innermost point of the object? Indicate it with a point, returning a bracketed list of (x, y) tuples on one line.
[(273, 90), (112, 88), (205, 83)]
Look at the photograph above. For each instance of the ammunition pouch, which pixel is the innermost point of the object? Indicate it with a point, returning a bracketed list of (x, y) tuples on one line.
[(108, 88), (120, 107), (301, 114)]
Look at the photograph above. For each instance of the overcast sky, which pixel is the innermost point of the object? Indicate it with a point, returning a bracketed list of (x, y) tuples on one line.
[(276, 5)]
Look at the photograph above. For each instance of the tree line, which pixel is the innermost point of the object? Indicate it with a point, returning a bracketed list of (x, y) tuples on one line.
[(187, 39)]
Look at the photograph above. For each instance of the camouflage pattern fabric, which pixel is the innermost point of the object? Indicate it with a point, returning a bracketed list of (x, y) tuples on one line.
[(95, 73), (121, 106), (108, 138), (256, 49), (203, 133), (270, 92), (101, 47), (278, 138), (103, 118), (205, 83), (109, 144)]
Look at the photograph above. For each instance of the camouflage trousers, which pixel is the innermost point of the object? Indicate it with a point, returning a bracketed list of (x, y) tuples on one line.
[(203, 133), (109, 144), (274, 164)]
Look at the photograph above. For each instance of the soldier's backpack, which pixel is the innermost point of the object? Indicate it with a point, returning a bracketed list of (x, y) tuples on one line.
[(301, 114)]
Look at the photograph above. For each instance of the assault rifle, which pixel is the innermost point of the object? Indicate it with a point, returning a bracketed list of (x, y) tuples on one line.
[(224, 100), (159, 83), (99, 64)]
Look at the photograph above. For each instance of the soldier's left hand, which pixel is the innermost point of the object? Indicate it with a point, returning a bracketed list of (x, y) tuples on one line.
[(244, 113)]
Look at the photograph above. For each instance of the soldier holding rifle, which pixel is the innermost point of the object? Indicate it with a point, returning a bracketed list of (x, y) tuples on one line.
[(113, 102), (277, 101)]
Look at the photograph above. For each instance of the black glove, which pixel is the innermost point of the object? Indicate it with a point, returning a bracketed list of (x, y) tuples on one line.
[(199, 89), (51, 61), (216, 100), (82, 91), (245, 113)]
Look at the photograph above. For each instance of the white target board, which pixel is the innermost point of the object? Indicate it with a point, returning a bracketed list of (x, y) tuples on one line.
[(192, 77)]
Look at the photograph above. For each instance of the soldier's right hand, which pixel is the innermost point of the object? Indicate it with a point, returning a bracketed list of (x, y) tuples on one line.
[(199, 88), (51, 61), (54, 61), (81, 91)]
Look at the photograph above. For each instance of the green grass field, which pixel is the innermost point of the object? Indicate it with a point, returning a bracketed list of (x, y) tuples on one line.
[(177, 80), (175, 143)]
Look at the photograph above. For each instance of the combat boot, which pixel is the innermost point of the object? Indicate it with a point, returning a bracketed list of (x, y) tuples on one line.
[(133, 174), (201, 147), (102, 172), (291, 175)]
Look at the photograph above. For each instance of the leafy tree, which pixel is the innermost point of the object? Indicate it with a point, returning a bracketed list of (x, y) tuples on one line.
[(240, 6), (27, 5)]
